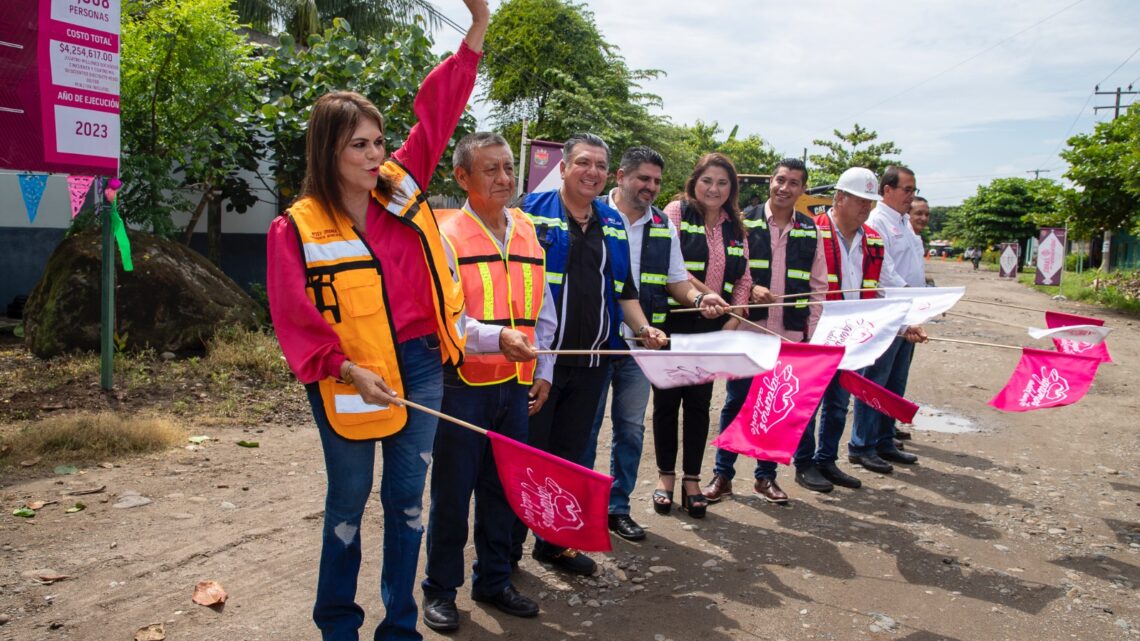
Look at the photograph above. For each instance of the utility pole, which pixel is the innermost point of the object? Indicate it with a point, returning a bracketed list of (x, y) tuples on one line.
[(1037, 172), (1106, 246)]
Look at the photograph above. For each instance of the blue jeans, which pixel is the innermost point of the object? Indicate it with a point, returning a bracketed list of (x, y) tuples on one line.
[(873, 431), (349, 466), (736, 392), (627, 415), (464, 464), (832, 414)]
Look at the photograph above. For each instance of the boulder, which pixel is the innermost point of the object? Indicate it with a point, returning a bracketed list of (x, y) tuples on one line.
[(174, 300)]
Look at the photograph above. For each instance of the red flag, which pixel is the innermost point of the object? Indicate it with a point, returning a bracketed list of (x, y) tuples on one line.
[(781, 402), (562, 502), (878, 397), (1058, 319), (1046, 379)]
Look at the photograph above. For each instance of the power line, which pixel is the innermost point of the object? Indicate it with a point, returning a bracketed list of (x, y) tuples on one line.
[(1118, 67), (959, 64)]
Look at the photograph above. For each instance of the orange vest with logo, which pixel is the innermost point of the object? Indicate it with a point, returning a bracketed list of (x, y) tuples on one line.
[(345, 282), (501, 288)]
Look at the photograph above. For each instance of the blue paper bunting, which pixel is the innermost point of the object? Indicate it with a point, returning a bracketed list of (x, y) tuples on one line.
[(32, 187)]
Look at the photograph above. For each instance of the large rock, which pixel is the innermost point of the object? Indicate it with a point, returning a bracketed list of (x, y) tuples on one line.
[(174, 300)]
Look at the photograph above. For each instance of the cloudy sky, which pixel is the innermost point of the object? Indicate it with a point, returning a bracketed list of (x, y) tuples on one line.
[(971, 90)]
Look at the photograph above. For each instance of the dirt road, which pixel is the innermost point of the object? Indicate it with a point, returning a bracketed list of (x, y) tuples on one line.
[(1028, 528)]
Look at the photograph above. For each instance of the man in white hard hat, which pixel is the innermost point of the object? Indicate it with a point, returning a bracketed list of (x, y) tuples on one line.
[(873, 434)]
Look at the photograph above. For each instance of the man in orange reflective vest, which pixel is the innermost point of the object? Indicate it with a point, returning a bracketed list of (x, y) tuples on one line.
[(501, 267)]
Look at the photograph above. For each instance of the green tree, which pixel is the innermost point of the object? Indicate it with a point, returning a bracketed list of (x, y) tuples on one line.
[(938, 218), (188, 86), (1003, 211), (303, 18), (1105, 166), (387, 70), (750, 154), (851, 149)]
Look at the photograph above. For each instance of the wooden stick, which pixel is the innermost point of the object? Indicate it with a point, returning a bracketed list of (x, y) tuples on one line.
[(758, 326), (979, 343), (997, 304), (988, 320), (451, 419), (685, 310), (583, 352), (837, 291)]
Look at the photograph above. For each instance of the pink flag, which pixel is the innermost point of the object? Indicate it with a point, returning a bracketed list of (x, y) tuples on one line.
[(1058, 319), (878, 397), (1046, 379), (78, 186), (563, 502), (781, 402)]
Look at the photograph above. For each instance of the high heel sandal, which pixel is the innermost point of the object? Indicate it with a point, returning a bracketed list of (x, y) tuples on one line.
[(694, 504), (663, 499)]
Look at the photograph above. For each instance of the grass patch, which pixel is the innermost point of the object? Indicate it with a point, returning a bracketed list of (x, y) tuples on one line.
[(255, 353), (1117, 290), (87, 437)]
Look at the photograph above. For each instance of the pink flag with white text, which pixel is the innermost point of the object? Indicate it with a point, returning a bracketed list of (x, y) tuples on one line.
[(562, 502), (1058, 319), (878, 397), (1046, 379), (780, 403)]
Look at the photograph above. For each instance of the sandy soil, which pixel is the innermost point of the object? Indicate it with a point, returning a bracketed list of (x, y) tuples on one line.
[(1028, 528)]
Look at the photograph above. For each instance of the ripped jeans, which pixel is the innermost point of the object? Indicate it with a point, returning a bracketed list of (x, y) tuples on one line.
[(349, 465)]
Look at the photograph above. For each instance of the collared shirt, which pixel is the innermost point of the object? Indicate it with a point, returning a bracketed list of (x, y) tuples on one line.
[(851, 260), (899, 245), (779, 271), (485, 338)]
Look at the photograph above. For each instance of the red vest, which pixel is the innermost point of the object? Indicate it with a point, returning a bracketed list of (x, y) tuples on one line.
[(502, 289), (873, 250)]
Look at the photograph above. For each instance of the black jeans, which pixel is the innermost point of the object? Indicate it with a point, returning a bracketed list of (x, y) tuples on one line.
[(667, 403)]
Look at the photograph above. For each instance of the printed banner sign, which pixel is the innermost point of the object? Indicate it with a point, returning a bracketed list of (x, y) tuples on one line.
[(562, 502), (927, 302), (700, 358), (1044, 379), (1090, 334), (542, 172), (1069, 346), (865, 327), (59, 66), (878, 397), (1050, 256), (781, 402), (1007, 260)]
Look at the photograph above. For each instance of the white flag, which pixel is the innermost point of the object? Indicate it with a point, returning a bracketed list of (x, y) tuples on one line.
[(928, 302), (699, 358), (865, 327), (1091, 334)]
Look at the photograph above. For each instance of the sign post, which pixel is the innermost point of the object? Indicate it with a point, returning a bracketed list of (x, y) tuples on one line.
[(1008, 260), (1050, 256)]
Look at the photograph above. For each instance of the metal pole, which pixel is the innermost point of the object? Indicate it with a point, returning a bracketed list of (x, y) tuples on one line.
[(522, 160), (107, 316)]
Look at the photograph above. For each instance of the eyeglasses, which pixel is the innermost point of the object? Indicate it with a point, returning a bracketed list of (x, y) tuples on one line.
[(910, 190)]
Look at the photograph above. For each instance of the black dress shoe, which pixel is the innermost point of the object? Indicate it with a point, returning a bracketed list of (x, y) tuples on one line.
[(898, 456), (872, 462), (567, 559), (810, 478), (831, 472), (626, 527), (902, 435), (440, 615), (510, 601)]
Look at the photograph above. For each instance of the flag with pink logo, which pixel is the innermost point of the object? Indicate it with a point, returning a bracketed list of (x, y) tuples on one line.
[(693, 359), (865, 327), (1046, 379), (878, 397), (926, 302), (562, 502), (1070, 346), (780, 403)]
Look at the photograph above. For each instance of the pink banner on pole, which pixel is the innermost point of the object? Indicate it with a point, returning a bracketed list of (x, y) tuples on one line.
[(781, 402), (1059, 319), (1045, 379), (1050, 256), (562, 502), (878, 397), (77, 187)]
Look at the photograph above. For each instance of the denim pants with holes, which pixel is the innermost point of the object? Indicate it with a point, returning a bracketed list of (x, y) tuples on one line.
[(349, 465)]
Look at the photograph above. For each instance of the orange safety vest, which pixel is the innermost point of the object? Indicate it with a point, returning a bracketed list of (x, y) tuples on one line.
[(345, 282), (501, 288)]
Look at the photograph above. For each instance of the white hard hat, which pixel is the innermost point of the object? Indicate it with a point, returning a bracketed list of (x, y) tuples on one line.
[(860, 182)]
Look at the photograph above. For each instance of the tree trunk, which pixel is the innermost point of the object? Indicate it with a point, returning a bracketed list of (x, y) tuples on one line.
[(197, 214)]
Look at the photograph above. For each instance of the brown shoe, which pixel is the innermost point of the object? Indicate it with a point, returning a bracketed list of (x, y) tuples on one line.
[(771, 492), (718, 488), (902, 435)]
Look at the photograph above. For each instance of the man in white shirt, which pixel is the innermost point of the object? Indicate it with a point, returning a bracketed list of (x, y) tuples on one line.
[(659, 270), (873, 433)]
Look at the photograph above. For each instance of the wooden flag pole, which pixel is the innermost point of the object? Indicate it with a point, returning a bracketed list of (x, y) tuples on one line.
[(446, 417), (988, 320), (686, 310), (837, 291), (758, 326), (583, 352), (979, 343)]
